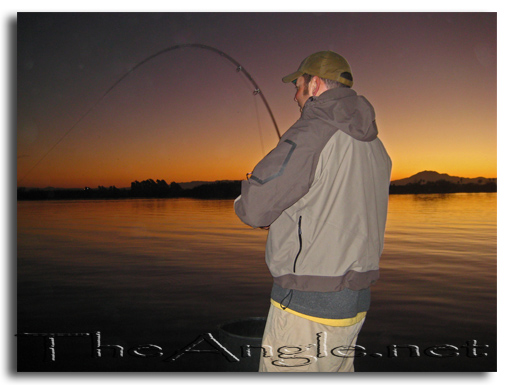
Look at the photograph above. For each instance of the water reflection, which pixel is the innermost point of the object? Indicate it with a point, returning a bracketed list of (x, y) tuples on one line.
[(149, 269)]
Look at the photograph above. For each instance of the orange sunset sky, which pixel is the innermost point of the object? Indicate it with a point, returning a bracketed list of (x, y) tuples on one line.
[(189, 115)]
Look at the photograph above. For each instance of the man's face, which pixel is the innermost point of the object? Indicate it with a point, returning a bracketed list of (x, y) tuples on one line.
[(302, 92)]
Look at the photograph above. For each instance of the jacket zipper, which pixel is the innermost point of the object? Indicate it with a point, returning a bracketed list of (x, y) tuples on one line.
[(300, 239)]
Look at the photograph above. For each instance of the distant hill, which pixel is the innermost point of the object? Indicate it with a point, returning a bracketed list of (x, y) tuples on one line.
[(424, 177), (432, 182)]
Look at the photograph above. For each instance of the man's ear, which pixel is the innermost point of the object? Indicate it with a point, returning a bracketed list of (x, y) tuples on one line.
[(314, 85)]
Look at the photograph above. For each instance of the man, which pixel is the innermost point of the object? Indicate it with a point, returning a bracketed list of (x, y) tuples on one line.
[(323, 194)]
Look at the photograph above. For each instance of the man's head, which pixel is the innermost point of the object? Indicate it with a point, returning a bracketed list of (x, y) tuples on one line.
[(319, 72), (326, 65)]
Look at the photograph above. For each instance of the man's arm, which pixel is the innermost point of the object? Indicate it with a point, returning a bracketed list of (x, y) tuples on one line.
[(279, 180)]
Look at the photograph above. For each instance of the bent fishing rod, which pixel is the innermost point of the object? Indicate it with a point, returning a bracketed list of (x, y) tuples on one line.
[(239, 68)]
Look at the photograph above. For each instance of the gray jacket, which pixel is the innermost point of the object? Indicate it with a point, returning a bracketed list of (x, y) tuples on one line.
[(324, 192)]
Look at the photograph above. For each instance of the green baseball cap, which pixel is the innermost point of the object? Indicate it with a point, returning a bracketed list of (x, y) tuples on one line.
[(326, 65)]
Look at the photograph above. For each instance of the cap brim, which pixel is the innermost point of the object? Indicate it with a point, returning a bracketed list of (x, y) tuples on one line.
[(292, 77)]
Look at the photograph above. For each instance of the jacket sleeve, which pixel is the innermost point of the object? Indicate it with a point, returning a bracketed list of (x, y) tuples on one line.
[(278, 181)]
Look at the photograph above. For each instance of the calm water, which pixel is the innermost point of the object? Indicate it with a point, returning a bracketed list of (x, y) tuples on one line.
[(164, 271)]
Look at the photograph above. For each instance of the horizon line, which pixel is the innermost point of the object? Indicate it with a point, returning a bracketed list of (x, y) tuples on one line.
[(233, 180)]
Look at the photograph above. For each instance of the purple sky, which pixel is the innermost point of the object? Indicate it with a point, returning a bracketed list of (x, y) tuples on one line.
[(188, 115)]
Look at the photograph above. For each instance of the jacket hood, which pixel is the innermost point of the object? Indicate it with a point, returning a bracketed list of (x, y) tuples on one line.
[(342, 108)]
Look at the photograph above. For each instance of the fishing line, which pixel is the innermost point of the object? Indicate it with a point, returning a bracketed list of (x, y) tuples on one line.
[(239, 68), (259, 126)]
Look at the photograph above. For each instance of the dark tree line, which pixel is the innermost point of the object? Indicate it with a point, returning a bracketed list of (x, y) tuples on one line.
[(144, 189), (151, 189), (221, 190), (160, 189), (442, 187)]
